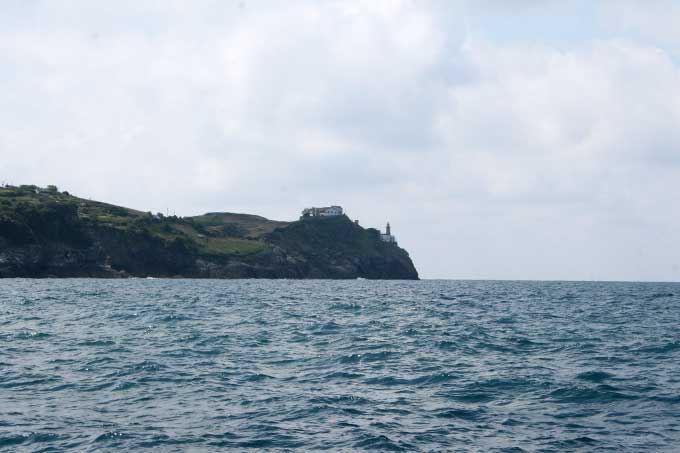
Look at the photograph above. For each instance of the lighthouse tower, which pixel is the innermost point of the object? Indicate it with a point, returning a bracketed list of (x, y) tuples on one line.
[(387, 237)]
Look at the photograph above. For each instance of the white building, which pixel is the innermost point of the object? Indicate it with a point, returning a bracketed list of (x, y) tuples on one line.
[(329, 211), (387, 235)]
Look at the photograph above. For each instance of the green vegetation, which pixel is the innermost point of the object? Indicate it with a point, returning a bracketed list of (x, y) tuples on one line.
[(332, 236), (30, 214), (44, 232), (238, 225)]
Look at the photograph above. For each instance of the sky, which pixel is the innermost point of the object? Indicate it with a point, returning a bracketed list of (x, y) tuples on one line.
[(522, 139)]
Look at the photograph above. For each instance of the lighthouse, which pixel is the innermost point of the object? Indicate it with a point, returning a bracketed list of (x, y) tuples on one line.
[(387, 236)]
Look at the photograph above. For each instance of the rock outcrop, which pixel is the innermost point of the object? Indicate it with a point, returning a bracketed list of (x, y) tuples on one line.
[(44, 233)]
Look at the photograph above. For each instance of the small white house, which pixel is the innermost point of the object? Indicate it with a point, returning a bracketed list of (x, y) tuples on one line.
[(329, 211)]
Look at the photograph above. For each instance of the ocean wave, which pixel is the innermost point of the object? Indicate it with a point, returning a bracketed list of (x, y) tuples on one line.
[(184, 365)]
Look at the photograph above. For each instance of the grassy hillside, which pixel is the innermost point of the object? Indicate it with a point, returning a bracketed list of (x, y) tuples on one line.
[(47, 233), (30, 214)]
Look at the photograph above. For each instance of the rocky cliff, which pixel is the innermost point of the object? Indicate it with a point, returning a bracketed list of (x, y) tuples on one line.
[(46, 233)]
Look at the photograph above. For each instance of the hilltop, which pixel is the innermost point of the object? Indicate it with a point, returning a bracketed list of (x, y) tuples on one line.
[(48, 233)]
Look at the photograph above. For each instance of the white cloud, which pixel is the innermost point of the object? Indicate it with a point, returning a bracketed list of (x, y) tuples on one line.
[(505, 158), (655, 21)]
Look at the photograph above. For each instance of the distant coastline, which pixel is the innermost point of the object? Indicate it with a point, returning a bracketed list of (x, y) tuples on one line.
[(48, 233)]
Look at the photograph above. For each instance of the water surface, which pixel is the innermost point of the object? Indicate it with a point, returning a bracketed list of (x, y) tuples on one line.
[(189, 365)]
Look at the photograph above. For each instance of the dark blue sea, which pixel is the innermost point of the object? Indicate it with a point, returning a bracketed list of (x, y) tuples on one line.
[(202, 366)]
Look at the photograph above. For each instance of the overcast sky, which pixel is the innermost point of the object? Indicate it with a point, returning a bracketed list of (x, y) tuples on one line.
[(502, 139)]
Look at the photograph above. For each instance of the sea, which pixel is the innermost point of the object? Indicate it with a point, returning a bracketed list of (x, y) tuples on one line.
[(280, 365)]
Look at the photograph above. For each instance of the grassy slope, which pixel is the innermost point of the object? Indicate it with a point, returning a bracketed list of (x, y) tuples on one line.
[(334, 236), (28, 214)]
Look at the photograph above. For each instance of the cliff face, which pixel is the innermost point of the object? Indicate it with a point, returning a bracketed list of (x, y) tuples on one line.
[(44, 233), (337, 248)]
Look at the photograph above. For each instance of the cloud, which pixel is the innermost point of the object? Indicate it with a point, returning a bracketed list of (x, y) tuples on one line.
[(654, 22), (494, 155)]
